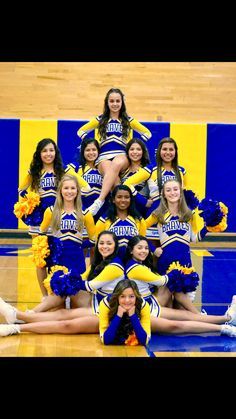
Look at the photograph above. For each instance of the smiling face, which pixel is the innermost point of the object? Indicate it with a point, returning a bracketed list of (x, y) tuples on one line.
[(115, 103), (127, 299), (106, 245), (48, 154), (171, 191), (140, 251), (90, 153), (135, 152), (167, 152), (69, 190), (122, 200)]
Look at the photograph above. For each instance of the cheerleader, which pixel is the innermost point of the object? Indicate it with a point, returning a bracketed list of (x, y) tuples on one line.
[(99, 279), (176, 225), (139, 166), (124, 317), (45, 172), (139, 270), (66, 220), (86, 169), (114, 129), (122, 218)]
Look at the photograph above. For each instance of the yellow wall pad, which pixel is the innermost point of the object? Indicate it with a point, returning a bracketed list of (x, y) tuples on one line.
[(31, 132)]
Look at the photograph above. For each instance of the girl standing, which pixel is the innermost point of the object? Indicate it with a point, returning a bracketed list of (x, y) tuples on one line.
[(46, 171)]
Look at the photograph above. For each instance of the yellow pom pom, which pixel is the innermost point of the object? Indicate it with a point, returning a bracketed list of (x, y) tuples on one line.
[(56, 268), (224, 208), (40, 250), (46, 283), (174, 265), (26, 204), (33, 200), (184, 269)]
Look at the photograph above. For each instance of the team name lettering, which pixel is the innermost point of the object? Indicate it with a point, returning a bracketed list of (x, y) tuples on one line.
[(48, 182), (93, 178), (112, 127), (175, 225), (69, 225), (124, 231), (168, 177)]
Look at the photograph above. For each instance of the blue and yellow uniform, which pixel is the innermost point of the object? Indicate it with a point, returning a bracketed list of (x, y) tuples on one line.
[(114, 144), (145, 278), (104, 282), (47, 192), (175, 237), (152, 232), (93, 178), (70, 238), (141, 190), (108, 329), (123, 229)]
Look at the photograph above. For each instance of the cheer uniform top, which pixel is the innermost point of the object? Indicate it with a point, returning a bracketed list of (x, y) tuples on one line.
[(141, 191), (93, 178), (152, 232), (175, 237), (123, 229), (104, 282), (70, 238), (114, 144), (47, 192), (145, 278), (108, 329)]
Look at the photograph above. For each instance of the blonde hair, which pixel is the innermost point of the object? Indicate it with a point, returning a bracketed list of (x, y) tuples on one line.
[(59, 205), (185, 214)]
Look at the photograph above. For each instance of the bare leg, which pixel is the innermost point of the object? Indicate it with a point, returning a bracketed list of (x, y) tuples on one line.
[(173, 314), (185, 301), (164, 296), (110, 171), (88, 324), (180, 327), (82, 299), (52, 301), (41, 275), (57, 315)]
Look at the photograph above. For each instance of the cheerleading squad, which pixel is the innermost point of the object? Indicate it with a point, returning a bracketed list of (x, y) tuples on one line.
[(140, 266)]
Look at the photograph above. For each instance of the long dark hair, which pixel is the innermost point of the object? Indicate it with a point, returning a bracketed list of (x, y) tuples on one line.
[(98, 263), (106, 115), (112, 210), (128, 254), (84, 144), (145, 157), (125, 327), (174, 163), (36, 164)]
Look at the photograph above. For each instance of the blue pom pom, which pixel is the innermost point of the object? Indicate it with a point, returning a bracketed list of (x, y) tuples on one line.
[(191, 199), (35, 218), (211, 212), (65, 284), (180, 282)]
